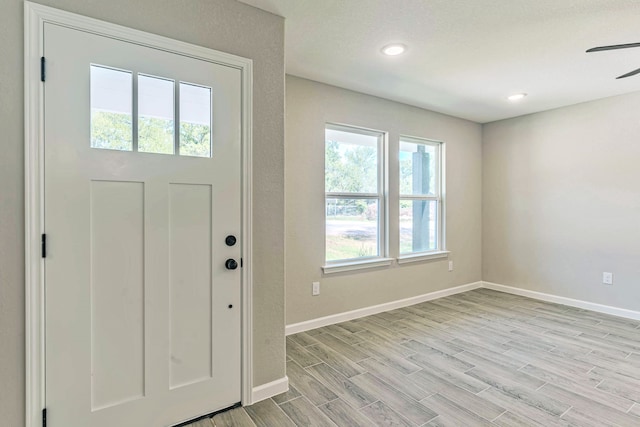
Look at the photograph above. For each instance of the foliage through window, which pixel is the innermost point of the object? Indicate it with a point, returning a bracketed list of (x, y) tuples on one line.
[(354, 198), (114, 126)]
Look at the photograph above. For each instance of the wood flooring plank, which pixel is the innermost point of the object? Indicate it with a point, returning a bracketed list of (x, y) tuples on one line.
[(292, 393), (383, 416), (343, 334), (206, 422), (336, 360), (304, 414), (589, 406), (298, 353), (399, 381), (237, 417), (268, 414), (303, 339), (456, 378), (374, 338), (308, 385), (579, 418), (509, 419), (468, 400), (450, 410), (342, 386), (560, 377), (344, 415), (522, 408), (389, 357), (531, 397), (351, 326), (428, 357), (351, 352), (612, 365), (396, 400), (478, 355)]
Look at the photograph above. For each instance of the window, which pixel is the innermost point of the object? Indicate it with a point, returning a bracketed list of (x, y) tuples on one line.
[(114, 126), (356, 225), (420, 223), (354, 196)]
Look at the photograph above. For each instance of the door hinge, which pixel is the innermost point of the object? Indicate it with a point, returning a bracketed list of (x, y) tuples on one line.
[(44, 246), (42, 69), (44, 417)]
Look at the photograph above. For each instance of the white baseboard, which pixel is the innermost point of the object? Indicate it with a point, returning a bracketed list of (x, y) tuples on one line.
[(268, 390), (367, 311), (600, 308)]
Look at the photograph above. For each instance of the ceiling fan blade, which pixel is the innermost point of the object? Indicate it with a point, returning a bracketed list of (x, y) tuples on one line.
[(629, 74), (612, 47)]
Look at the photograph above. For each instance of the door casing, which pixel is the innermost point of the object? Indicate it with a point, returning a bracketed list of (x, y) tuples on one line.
[(35, 17)]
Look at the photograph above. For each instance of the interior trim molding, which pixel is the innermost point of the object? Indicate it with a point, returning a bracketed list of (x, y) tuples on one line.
[(35, 17), (307, 325), (270, 389), (600, 308)]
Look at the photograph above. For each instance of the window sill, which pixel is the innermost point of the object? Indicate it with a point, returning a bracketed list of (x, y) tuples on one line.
[(356, 265), (404, 259)]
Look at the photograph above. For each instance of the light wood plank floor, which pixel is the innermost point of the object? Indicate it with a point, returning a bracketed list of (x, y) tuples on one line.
[(474, 359)]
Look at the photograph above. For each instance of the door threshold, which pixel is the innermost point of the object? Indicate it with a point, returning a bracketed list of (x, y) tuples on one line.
[(210, 415)]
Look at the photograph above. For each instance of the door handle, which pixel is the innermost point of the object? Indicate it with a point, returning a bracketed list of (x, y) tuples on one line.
[(231, 264)]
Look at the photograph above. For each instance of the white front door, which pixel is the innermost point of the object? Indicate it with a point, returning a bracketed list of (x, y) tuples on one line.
[(142, 182)]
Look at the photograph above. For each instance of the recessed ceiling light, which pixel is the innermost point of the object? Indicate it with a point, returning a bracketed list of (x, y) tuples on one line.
[(516, 96), (394, 49)]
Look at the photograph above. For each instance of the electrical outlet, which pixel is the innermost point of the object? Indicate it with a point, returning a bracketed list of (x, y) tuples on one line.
[(607, 278), (450, 265), (315, 288)]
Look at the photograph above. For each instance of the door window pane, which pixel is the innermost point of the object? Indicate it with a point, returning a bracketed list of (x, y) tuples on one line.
[(351, 162), (155, 115), (195, 120), (418, 219), (417, 168), (351, 228), (111, 107)]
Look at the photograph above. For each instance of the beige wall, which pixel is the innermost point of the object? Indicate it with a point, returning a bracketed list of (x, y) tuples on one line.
[(309, 105), (561, 201), (225, 25)]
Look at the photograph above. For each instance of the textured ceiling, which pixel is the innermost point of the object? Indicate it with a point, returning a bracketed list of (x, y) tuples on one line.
[(465, 56)]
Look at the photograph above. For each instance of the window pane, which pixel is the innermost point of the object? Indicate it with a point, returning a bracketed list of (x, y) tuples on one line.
[(417, 168), (195, 120), (351, 162), (155, 115), (111, 100), (351, 228), (418, 232)]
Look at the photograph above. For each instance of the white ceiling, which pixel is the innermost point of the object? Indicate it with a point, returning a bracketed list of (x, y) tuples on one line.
[(465, 56)]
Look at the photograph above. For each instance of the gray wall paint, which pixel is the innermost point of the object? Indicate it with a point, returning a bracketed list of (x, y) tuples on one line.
[(224, 25), (561, 202), (309, 105)]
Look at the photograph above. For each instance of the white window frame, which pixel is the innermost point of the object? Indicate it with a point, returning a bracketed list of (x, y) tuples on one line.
[(439, 197), (381, 259)]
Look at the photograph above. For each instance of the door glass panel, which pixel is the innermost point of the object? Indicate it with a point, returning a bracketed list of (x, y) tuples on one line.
[(155, 115), (111, 106), (195, 120)]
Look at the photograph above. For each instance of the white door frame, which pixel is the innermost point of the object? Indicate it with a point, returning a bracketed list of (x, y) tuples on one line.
[(36, 16)]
